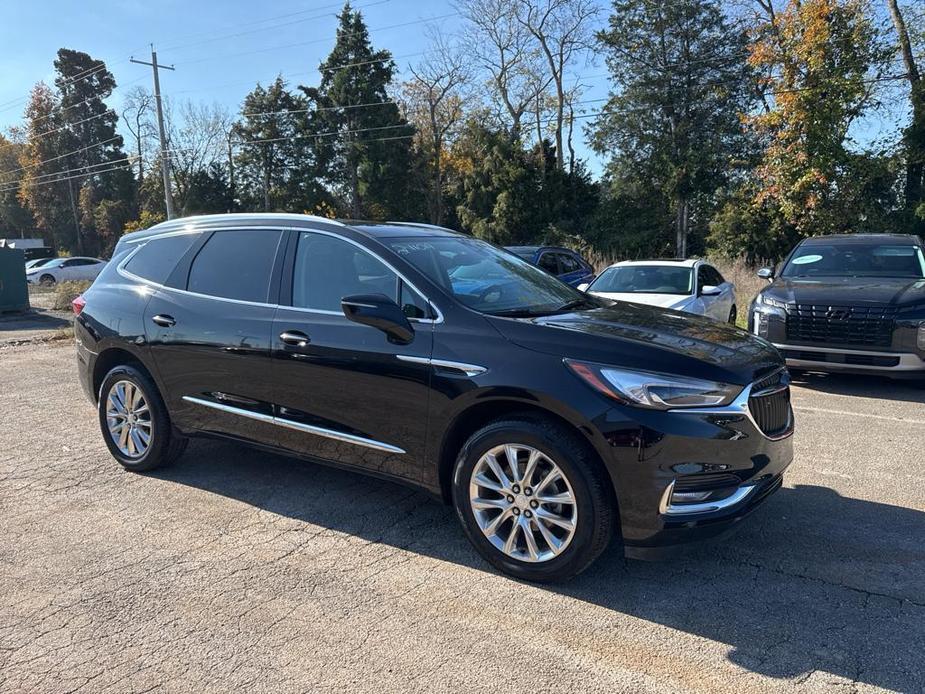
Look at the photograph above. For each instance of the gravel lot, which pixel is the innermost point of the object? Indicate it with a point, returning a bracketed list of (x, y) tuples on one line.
[(237, 569)]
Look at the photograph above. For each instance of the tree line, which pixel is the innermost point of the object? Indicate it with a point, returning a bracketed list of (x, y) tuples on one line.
[(730, 127)]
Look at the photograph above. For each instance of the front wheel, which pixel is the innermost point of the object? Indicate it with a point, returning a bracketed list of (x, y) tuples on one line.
[(732, 316), (134, 421), (533, 499), (47, 280)]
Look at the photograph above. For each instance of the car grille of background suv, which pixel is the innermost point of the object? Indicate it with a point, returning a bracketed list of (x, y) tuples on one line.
[(769, 404), (839, 325)]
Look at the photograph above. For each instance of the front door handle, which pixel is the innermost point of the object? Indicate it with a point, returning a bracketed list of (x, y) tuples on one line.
[(164, 320), (296, 338)]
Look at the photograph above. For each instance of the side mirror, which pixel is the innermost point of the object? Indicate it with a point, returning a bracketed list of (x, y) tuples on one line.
[(709, 290), (381, 312), (766, 273), (583, 287)]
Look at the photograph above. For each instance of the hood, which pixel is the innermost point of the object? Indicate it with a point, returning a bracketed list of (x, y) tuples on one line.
[(842, 291), (674, 301), (648, 338)]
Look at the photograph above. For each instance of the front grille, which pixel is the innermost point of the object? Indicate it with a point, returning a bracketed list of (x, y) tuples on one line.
[(769, 403), (839, 325), (706, 481)]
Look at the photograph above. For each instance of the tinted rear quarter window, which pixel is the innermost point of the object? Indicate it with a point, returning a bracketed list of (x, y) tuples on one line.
[(235, 265), (157, 258)]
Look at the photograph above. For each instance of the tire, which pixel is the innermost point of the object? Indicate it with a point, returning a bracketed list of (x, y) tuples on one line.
[(593, 509), (47, 280), (149, 416), (732, 315)]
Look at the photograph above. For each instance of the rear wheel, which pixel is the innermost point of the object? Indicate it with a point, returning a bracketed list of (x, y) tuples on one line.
[(533, 499), (134, 421)]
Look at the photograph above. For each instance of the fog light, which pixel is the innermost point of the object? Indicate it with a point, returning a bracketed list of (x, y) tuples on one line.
[(921, 338)]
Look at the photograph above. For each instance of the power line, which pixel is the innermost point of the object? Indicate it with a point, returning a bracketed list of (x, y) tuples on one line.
[(32, 165), (122, 167), (313, 41), (83, 171)]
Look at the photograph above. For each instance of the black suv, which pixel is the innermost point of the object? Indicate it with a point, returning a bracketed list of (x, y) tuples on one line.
[(549, 418), (847, 303)]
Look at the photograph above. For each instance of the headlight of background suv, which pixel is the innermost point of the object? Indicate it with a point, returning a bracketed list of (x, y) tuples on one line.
[(765, 300), (653, 390)]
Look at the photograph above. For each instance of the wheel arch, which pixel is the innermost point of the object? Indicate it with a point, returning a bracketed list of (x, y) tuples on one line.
[(112, 357), (481, 413)]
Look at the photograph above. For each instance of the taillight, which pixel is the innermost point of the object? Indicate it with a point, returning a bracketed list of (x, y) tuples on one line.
[(78, 304)]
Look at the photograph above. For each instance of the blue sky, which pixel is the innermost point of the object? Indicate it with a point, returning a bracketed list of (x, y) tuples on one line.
[(221, 49), (212, 66)]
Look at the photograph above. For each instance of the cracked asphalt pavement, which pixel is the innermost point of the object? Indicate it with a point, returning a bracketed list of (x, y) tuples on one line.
[(239, 570)]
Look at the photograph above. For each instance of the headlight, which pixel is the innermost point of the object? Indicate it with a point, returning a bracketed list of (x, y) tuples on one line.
[(765, 300), (653, 390)]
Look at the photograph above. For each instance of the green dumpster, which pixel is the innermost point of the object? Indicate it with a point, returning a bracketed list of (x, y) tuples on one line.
[(14, 296)]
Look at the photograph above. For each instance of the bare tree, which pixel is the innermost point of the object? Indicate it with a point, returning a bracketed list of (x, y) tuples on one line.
[(434, 104), (136, 114), (915, 133), (563, 31), (197, 135), (504, 48)]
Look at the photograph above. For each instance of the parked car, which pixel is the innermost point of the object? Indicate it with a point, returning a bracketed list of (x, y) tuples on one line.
[(693, 286), (549, 418), (565, 264), (849, 303), (65, 270)]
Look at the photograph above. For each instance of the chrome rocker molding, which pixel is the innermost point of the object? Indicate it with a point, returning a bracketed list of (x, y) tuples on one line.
[(297, 426), (739, 495), (468, 369), (739, 406), (907, 361)]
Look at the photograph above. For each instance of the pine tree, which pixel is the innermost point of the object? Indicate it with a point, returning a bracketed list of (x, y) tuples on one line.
[(361, 136), (681, 86)]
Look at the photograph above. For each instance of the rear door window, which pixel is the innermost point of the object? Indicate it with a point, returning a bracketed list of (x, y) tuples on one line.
[(549, 262), (236, 265), (157, 258)]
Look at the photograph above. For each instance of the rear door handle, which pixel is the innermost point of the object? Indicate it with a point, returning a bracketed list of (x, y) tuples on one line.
[(164, 320), (296, 338)]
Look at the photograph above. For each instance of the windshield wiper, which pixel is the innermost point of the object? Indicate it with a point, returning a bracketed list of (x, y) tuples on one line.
[(572, 304)]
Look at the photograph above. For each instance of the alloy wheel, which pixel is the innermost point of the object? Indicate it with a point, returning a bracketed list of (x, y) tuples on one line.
[(128, 418), (523, 503)]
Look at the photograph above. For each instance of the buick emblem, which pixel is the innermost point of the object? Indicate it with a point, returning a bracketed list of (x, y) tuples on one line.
[(838, 314)]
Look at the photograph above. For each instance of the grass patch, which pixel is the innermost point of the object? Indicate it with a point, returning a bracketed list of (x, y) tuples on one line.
[(66, 292)]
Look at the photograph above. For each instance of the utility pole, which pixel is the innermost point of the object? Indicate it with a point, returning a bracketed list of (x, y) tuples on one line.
[(165, 162)]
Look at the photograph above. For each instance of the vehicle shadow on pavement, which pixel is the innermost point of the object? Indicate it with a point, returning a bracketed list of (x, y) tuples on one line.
[(813, 584), (861, 386)]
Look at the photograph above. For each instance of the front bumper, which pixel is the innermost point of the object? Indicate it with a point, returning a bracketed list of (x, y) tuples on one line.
[(720, 451), (895, 364)]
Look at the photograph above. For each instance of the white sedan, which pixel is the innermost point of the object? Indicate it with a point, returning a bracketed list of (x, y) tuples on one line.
[(65, 270), (693, 286)]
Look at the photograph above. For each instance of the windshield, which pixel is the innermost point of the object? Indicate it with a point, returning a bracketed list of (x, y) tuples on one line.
[(857, 260), (486, 278), (644, 279)]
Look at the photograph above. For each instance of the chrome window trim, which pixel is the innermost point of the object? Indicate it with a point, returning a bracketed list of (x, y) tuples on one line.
[(297, 426), (120, 269), (468, 369), (739, 495)]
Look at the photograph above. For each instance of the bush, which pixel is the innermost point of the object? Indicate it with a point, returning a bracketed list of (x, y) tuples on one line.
[(66, 292)]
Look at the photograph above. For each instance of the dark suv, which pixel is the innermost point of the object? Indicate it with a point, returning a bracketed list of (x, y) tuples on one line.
[(549, 418), (849, 304)]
